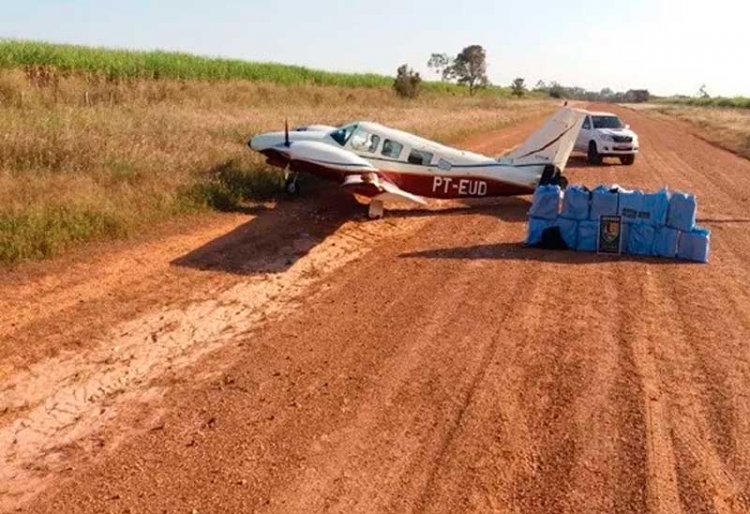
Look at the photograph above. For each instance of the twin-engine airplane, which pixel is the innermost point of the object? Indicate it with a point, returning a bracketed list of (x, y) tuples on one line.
[(388, 164)]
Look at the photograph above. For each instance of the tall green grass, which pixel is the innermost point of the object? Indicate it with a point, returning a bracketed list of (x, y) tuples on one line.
[(737, 102), (157, 64), (175, 65)]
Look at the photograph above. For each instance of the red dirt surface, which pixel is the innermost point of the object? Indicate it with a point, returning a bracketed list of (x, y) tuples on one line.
[(301, 359)]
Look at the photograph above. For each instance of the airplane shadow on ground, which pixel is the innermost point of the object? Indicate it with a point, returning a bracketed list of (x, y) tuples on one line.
[(510, 251), (278, 236)]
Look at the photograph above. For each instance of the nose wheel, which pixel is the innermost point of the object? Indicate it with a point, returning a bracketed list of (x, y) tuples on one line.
[(291, 185)]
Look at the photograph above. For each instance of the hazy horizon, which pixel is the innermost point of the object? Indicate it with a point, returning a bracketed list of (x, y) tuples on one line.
[(666, 47)]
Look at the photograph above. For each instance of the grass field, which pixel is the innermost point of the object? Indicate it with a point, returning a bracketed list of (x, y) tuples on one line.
[(87, 157), (726, 127)]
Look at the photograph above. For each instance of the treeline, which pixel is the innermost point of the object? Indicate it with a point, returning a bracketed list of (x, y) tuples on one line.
[(556, 90)]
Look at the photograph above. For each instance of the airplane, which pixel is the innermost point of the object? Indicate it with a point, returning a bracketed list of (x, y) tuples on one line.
[(384, 164)]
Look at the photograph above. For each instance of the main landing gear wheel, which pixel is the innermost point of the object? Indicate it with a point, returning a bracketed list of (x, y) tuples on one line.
[(562, 182), (291, 186), (375, 211)]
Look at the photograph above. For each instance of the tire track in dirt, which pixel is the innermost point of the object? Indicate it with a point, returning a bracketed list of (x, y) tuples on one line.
[(536, 436), (637, 329), (406, 376), (69, 398)]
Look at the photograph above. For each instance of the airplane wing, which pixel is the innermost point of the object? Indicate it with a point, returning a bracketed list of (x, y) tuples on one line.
[(378, 187)]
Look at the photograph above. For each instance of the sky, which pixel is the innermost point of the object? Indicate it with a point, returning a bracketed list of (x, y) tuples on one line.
[(666, 46)]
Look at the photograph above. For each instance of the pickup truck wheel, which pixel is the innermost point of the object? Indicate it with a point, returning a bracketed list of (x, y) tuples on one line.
[(593, 154), (627, 160)]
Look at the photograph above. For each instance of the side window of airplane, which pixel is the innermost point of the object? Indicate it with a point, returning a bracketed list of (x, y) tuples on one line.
[(392, 149), (419, 157), (586, 123), (363, 141), (444, 165), (374, 143)]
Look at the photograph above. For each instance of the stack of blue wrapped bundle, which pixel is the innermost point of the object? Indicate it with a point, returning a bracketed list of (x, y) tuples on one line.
[(545, 208), (656, 224), (693, 241)]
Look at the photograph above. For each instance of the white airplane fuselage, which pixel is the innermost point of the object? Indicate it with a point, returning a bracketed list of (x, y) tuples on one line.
[(374, 160)]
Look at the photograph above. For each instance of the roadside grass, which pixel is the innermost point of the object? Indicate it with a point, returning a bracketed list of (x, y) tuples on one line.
[(726, 128), (82, 158)]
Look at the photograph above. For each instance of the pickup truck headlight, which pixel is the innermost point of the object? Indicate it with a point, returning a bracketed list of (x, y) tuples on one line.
[(606, 137)]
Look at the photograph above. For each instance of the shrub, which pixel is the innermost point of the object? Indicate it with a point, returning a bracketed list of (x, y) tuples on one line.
[(408, 83)]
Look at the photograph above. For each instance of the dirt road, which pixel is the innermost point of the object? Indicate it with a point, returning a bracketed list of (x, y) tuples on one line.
[(301, 359)]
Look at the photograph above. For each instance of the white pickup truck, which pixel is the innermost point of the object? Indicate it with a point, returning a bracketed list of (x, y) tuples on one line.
[(603, 134)]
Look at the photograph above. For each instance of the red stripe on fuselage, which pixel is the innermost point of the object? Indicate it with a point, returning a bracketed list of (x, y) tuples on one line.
[(427, 185)]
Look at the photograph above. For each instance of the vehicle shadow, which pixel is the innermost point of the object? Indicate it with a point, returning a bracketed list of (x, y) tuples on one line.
[(580, 161), (276, 237), (509, 251)]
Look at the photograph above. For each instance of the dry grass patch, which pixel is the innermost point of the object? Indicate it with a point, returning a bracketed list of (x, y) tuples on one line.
[(84, 158), (727, 128)]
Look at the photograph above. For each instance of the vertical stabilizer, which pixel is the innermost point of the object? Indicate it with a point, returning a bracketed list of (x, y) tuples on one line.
[(553, 142)]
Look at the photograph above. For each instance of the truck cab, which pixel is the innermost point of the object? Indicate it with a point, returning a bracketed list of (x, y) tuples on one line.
[(603, 134)]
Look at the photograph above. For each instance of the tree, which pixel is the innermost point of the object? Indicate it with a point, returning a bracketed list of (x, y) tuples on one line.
[(518, 88), (540, 86), (637, 95), (408, 83), (557, 91), (439, 62), (703, 93), (469, 67)]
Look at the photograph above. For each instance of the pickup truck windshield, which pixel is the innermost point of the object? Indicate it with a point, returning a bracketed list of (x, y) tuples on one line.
[(610, 122)]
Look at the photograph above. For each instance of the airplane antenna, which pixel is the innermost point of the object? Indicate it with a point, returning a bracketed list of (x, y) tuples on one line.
[(286, 133)]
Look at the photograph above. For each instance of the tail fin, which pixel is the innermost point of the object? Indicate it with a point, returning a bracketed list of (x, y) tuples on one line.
[(553, 142)]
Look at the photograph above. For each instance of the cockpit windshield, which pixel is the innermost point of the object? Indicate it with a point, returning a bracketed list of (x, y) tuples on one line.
[(610, 122), (342, 135)]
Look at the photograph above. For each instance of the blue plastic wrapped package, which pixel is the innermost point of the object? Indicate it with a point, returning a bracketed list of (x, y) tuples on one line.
[(536, 228), (576, 203), (665, 242), (546, 202), (568, 231), (694, 245), (655, 207), (588, 233), (639, 239), (603, 202), (682, 209), (630, 205)]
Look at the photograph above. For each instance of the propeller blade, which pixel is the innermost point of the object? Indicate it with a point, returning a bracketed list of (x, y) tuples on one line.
[(287, 143)]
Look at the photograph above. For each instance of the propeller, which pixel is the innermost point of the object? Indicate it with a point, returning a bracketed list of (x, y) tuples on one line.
[(287, 143)]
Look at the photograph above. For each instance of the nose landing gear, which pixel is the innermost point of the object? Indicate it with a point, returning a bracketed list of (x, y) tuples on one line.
[(291, 185)]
